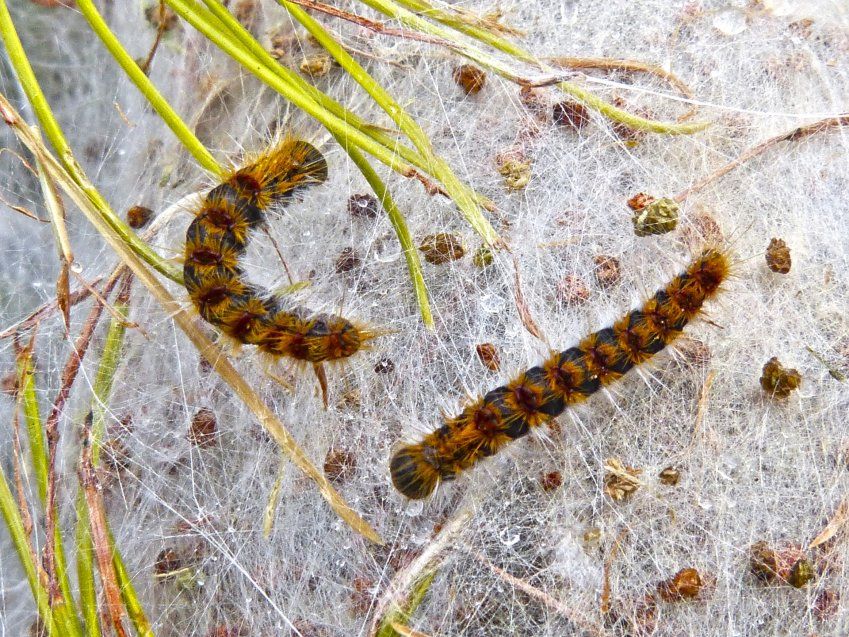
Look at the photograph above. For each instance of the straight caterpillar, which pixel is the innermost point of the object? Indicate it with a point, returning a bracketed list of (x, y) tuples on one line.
[(217, 239), (565, 378)]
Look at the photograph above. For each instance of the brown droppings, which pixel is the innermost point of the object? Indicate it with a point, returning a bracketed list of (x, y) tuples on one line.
[(571, 114), (469, 78), (684, 585), (535, 100), (139, 216), (779, 381), (339, 465), (167, 562), (620, 481), (9, 384), (826, 604), (640, 201), (347, 260), (361, 596), (363, 205), (786, 564), (115, 457), (669, 476), (384, 366), (572, 290), (778, 256), (488, 355), (245, 12), (202, 430), (441, 248), (694, 351), (160, 16), (551, 481), (607, 270)]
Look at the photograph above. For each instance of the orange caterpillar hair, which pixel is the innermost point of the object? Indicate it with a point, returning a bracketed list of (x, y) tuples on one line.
[(566, 378), (217, 239)]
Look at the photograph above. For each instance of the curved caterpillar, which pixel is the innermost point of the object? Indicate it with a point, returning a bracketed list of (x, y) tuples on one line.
[(217, 239), (565, 378)]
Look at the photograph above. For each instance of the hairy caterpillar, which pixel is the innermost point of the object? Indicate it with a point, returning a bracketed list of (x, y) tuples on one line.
[(217, 239), (565, 378)]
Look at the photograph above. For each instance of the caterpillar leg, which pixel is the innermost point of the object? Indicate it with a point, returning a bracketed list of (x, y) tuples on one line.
[(321, 375)]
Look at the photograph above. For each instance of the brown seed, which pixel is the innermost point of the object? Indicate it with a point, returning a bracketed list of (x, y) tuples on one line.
[(607, 271), (685, 584), (202, 428), (339, 465), (347, 260), (488, 355), (441, 248), (694, 351), (573, 115), (384, 366), (167, 562), (363, 205), (551, 480), (620, 481), (470, 78), (138, 216), (779, 381), (669, 476), (572, 290), (778, 256), (640, 201)]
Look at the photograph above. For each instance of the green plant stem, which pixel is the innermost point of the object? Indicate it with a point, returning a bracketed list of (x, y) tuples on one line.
[(102, 389), (64, 611), (85, 570), (205, 22), (17, 532), (414, 265), (458, 24), (147, 88), (32, 418), (389, 140), (414, 21), (50, 126), (435, 165)]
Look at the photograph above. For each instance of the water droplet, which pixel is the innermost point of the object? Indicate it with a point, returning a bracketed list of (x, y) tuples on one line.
[(508, 538), (492, 303), (414, 508), (77, 267), (387, 254), (730, 22)]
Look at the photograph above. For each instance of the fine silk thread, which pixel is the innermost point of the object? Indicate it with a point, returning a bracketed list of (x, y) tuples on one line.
[(217, 239), (565, 378)]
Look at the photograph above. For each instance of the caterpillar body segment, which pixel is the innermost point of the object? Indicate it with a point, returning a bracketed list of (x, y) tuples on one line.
[(216, 241), (566, 378)]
